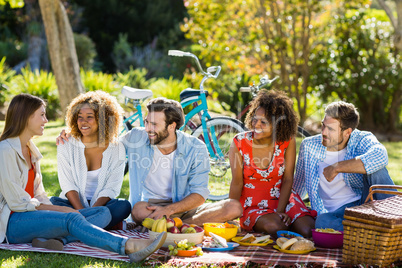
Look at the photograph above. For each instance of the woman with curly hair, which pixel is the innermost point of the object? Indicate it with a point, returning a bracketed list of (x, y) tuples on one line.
[(91, 165), (262, 161)]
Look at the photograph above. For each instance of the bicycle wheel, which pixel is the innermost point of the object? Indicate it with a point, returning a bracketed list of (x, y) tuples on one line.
[(220, 176), (301, 132)]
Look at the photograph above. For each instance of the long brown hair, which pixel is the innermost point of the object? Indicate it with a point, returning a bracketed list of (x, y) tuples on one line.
[(20, 109)]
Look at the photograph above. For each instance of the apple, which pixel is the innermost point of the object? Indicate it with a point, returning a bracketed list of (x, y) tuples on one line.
[(190, 230), (169, 223), (184, 227), (173, 230), (198, 229)]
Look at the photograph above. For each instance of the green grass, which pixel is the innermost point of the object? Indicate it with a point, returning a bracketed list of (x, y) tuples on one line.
[(47, 146)]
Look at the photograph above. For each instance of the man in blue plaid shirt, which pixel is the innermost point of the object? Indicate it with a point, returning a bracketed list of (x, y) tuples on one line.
[(337, 167)]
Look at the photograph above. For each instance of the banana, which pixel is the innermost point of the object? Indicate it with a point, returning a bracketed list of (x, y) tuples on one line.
[(154, 225), (148, 222), (161, 225)]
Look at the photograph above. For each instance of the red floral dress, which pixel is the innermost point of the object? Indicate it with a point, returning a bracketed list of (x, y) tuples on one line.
[(261, 187)]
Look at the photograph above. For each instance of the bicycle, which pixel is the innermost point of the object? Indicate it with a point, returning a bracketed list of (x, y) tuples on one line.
[(217, 133), (254, 89)]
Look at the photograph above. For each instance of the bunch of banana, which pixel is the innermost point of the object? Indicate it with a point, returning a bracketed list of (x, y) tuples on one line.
[(148, 222), (159, 225)]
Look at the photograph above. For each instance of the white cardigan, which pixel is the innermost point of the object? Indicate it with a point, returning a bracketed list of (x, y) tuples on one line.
[(13, 180), (72, 170)]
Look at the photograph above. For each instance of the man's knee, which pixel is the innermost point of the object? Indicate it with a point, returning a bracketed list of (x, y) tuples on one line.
[(380, 177), (234, 208)]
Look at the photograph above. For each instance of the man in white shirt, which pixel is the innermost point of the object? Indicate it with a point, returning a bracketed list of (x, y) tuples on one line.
[(169, 170)]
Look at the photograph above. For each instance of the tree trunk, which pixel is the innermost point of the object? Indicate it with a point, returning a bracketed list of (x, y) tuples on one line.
[(63, 55)]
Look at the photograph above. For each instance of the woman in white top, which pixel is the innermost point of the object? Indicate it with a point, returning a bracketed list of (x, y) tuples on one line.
[(26, 214), (91, 165)]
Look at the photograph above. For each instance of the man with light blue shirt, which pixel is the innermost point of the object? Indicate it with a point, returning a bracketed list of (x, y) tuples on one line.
[(337, 167), (169, 169)]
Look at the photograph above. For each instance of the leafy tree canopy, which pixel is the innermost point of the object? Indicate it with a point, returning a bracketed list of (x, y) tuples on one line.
[(12, 3)]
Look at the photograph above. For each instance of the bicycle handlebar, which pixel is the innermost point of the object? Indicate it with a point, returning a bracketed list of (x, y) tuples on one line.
[(245, 89), (179, 53), (210, 70), (255, 88)]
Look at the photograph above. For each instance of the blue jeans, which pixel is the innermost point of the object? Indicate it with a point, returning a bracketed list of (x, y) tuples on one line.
[(23, 227), (334, 219), (120, 209)]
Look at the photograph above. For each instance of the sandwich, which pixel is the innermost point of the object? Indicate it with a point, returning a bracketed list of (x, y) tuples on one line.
[(249, 238), (295, 244), (218, 241)]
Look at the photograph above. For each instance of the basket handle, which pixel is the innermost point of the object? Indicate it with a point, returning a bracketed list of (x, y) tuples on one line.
[(380, 186)]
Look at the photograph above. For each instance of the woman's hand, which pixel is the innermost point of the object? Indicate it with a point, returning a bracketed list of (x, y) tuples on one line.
[(284, 217), (62, 137)]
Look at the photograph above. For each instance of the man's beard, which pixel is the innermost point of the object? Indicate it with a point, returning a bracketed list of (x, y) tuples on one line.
[(159, 137), (325, 143)]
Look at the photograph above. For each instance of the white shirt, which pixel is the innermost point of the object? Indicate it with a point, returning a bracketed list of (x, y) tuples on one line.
[(92, 183), (336, 193), (158, 184), (72, 170)]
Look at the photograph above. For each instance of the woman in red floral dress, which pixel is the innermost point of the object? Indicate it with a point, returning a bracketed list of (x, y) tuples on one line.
[(262, 162)]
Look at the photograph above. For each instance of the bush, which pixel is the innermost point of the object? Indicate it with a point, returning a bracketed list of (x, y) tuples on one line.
[(15, 51), (41, 84), (99, 81), (6, 75), (86, 51), (134, 78), (168, 88), (126, 56)]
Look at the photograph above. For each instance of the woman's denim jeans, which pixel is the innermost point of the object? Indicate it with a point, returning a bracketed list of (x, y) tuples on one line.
[(23, 227), (120, 209), (334, 219)]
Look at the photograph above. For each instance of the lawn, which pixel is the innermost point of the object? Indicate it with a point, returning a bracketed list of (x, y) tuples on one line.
[(47, 147)]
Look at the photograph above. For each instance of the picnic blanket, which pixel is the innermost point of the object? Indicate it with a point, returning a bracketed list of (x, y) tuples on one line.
[(242, 255)]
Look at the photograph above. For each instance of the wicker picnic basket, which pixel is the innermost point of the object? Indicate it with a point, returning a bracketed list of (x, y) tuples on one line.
[(373, 231)]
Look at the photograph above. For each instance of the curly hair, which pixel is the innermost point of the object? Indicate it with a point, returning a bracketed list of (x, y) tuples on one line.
[(107, 115), (278, 111)]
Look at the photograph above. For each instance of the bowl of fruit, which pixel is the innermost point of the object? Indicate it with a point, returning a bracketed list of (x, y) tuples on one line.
[(176, 229), (184, 248), (225, 230)]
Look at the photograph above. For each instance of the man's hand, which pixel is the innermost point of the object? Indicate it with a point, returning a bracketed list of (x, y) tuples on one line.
[(62, 137), (330, 172), (158, 212)]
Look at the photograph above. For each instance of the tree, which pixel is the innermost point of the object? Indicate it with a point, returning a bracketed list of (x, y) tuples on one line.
[(397, 25), (62, 50), (142, 22), (356, 63), (61, 47), (257, 37)]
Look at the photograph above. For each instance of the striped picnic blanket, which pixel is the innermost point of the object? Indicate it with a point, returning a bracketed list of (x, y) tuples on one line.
[(242, 255)]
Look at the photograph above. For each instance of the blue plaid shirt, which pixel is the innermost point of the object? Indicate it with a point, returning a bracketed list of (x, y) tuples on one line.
[(362, 145)]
